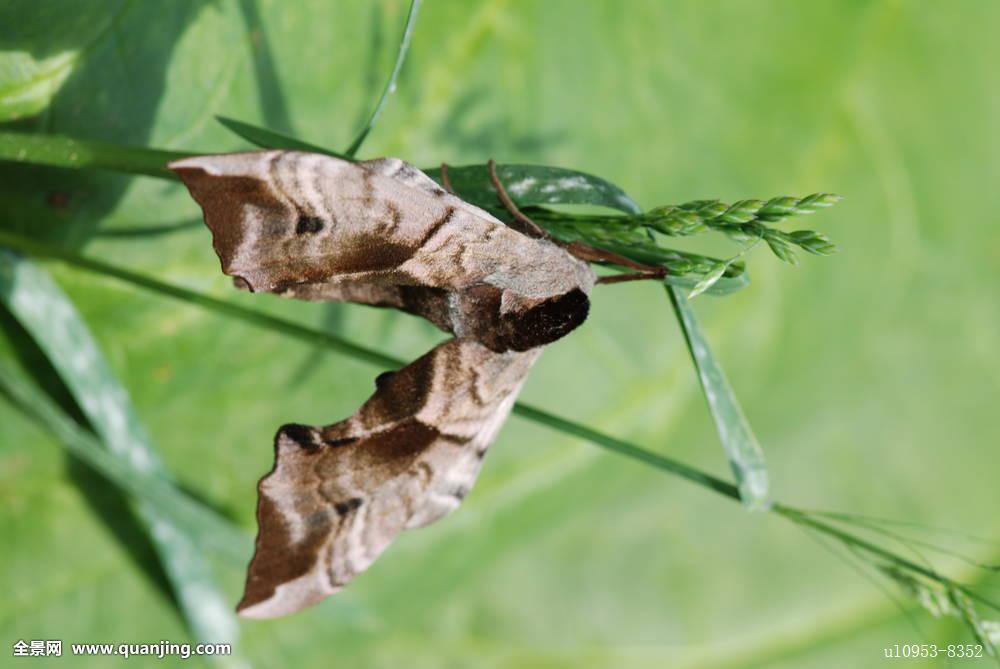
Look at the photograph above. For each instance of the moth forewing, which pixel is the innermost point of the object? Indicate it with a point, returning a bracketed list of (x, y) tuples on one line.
[(282, 221)]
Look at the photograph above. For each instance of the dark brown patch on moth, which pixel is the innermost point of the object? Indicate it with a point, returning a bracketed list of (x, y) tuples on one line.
[(342, 441), (382, 379), (545, 322), (400, 395), (368, 253), (392, 452), (344, 508), (367, 188), (308, 225)]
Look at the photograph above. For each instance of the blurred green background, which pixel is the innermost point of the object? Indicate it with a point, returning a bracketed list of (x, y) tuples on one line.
[(871, 378)]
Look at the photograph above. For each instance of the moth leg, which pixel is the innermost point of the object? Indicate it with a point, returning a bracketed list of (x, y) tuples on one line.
[(581, 251), (528, 226)]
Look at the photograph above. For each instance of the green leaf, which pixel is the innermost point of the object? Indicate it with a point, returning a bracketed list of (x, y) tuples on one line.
[(746, 458), (53, 322), (780, 247), (534, 185)]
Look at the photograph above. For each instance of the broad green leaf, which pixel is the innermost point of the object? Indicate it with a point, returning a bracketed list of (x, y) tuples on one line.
[(54, 324)]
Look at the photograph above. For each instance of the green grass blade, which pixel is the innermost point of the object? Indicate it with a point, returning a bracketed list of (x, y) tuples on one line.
[(58, 151), (742, 449), (615, 445), (50, 318), (390, 85), (268, 139)]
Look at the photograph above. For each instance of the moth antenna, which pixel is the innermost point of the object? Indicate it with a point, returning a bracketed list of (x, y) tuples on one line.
[(590, 254), (632, 276), (529, 227), (581, 251)]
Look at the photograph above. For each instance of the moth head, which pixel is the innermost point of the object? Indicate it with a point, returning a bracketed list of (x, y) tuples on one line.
[(526, 323)]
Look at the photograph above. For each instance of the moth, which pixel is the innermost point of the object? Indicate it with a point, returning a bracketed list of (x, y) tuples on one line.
[(381, 233)]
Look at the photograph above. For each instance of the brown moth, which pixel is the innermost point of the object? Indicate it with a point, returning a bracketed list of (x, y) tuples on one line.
[(381, 233)]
